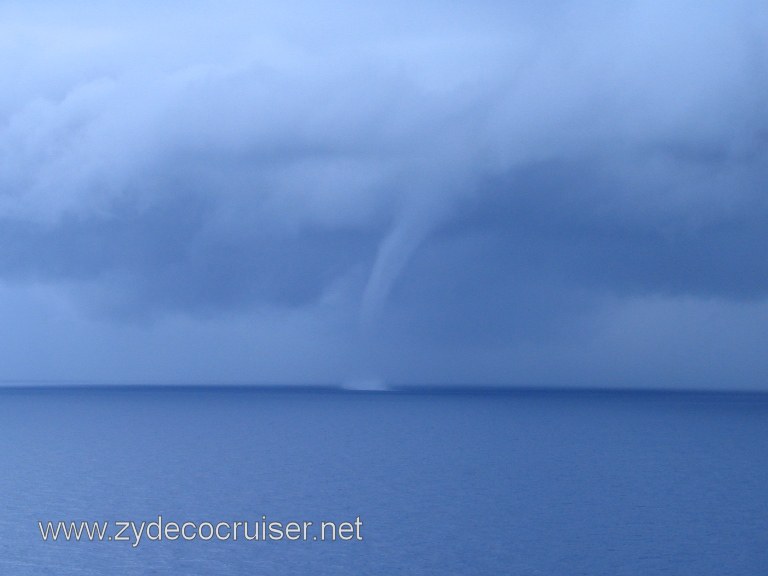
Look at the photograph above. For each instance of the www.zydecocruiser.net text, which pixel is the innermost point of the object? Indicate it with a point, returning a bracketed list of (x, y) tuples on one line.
[(159, 530)]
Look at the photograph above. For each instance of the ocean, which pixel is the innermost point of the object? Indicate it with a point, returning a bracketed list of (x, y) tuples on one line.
[(462, 482)]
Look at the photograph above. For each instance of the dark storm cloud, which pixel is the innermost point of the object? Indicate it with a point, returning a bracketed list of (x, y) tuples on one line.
[(498, 184), (167, 259)]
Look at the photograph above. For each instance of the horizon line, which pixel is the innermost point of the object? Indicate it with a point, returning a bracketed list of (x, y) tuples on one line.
[(341, 387)]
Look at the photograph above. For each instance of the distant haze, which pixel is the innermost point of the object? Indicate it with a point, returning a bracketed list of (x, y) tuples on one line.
[(554, 193)]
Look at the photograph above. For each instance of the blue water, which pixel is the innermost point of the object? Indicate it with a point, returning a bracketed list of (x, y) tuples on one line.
[(527, 483)]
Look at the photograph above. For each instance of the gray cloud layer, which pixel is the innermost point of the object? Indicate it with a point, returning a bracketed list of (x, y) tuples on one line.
[(566, 194)]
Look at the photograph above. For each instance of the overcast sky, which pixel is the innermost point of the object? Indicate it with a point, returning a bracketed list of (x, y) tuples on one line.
[(548, 193)]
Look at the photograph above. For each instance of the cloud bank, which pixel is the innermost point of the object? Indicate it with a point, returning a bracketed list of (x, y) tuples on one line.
[(565, 194)]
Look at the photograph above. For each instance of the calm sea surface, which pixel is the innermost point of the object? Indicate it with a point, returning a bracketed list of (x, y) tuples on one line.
[(526, 483)]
